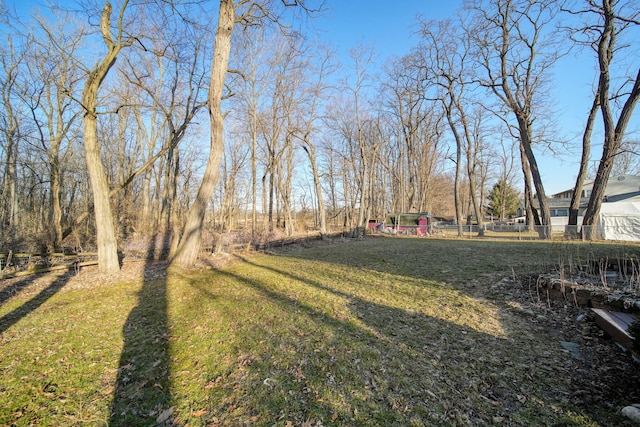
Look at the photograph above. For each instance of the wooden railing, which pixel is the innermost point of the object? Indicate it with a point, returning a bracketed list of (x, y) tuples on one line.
[(22, 264)]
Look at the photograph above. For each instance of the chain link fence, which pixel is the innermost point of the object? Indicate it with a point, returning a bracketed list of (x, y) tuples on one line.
[(625, 232)]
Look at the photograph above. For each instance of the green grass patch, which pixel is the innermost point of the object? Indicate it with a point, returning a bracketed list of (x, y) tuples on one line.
[(386, 331)]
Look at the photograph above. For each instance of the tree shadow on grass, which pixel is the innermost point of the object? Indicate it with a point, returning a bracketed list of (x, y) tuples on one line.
[(465, 375), (142, 394), (545, 379), (17, 314), (389, 367), (9, 291)]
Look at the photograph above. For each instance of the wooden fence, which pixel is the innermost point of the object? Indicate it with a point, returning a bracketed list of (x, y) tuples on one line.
[(23, 264)]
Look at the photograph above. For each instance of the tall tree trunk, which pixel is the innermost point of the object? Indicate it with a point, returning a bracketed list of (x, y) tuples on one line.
[(456, 182), (574, 208), (9, 199), (276, 197), (265, 221), (284, 187), (322, 216), (544, 230), (471, 154), (411, 166), (145, 217), (364, 192), (105, 229), (174, 222), (191, 239), (346, 222), (271, 197), (613, 132), (254, 172), (8, 190), (611, 147), (332, 188), (167, 191), (531, 213), (55, 212)]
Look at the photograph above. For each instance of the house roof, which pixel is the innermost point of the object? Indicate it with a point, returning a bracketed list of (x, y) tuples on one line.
[(621, 187)]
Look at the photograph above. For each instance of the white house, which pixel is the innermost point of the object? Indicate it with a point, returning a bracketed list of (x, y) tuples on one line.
[(620, 213)]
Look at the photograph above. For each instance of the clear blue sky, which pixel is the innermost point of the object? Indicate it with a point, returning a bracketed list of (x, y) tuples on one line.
[(388, 26)]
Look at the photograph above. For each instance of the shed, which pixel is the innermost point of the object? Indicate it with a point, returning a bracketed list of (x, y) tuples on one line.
[(402, 221)]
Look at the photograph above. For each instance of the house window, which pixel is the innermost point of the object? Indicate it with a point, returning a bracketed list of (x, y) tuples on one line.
[(559, 212)]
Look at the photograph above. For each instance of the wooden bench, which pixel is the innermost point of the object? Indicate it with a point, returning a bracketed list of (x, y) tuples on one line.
[(616, 324)]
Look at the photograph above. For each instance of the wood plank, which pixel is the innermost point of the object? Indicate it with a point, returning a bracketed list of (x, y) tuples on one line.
[(48, 269), (623, 319), (616, 324)]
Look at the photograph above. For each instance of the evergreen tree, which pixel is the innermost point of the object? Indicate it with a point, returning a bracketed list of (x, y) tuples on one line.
[(503, 200)]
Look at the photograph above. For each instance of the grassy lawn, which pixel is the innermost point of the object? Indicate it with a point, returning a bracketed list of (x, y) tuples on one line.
[(385, 331)]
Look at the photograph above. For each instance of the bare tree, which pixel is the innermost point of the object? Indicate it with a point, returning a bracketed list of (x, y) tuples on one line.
[(627, 161), (307, 129), (288, 76), (252, 54), (613, 17), (345, 161), (275, 124), (447, 65), (364, 153), (105, 230), (331, 171), (408, 106), (230, 13), (516, 52), (477, 163), (234, 160), (54, 78), (172, 82), (12, 59), (574, 207)]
